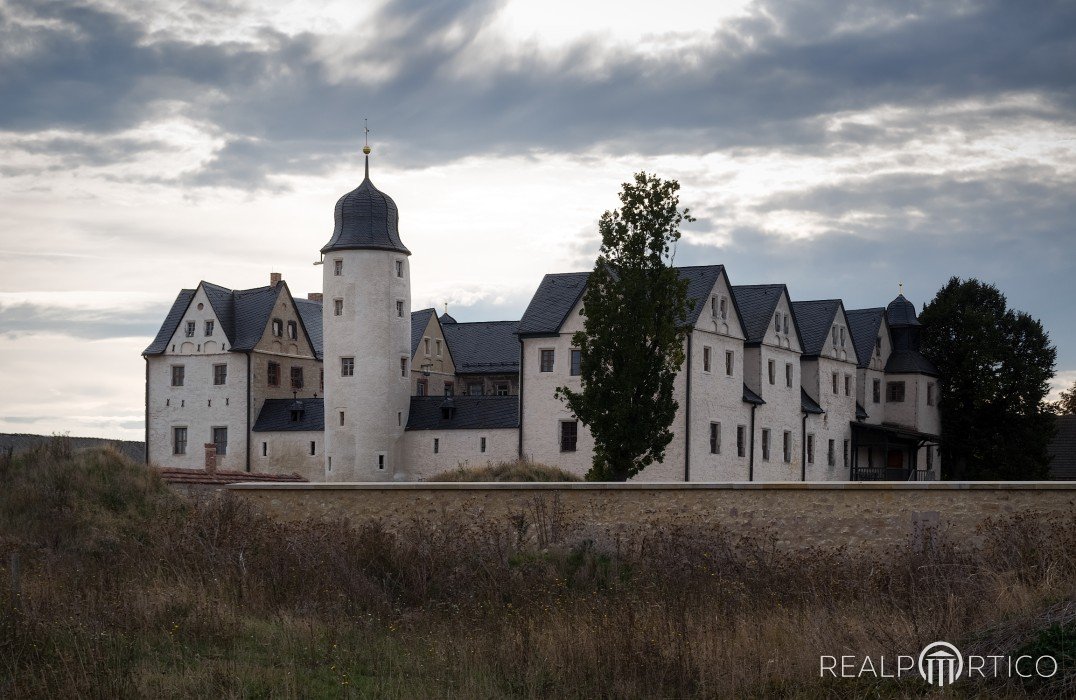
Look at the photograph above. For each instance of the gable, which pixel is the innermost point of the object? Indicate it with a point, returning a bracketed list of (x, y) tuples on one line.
[(719, 312), (782, 317), (198, 311), (284, 309)]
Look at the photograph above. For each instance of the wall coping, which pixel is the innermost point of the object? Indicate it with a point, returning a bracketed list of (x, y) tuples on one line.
[(664, 486)]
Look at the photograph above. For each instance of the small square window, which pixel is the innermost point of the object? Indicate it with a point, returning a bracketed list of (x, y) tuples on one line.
[(209, 329), (569, 435), (220, 374), (178, 372), (338, 267), (502, 389), (347, 366), (576, 367), (546, 362), (894, 392), (338, 307)]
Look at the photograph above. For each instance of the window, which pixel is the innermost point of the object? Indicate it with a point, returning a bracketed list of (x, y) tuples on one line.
[(842, 336), (273, 375), (835, 383), (381, 462), (831, 454), (338, 267), (177, 375), (810, 448), (713, 306), (546, 362), (786, 324), (436, 445), (278, 328), (741, 440), (482, 444), (403, 367), (321, 379), (474, 389), (426, 346), (437, 347), (766, 444), (847, 385), (730, 358), (293, 330), (179, 441), (930, 394), (399, 268), (341, 417), (894, 392), (715, 438), (777, 323), (297, 415), (834, 334), (846, 453), (876, 390), (190, 329), (706, 359), (724, 308), (502, 389), (220, 439), (347, 366), (788, 374), (930, 457), (296, 377), (450, 388), (313, 447), (399, 308), (265, 449), (786, 446), (338, 307), (569, 435), (771, 370), (420, 387), (878, 346), (209, 328), (576, 363), (220, 374)]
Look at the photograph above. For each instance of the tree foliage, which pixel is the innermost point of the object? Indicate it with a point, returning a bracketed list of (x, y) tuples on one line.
[(635, 308), (1066, 405), (995, 366)]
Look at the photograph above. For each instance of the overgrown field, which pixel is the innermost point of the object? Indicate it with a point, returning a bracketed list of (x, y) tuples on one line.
[(126, 589)]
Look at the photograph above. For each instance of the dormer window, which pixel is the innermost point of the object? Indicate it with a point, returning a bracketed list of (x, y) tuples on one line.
[(190, 329), (278, 328), (293, 330), (297, 415)]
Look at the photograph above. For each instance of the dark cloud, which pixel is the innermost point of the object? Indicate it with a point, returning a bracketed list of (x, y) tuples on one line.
[(769, 80)]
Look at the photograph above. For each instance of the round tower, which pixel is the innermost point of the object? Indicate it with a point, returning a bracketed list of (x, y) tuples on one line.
[(366, 309)]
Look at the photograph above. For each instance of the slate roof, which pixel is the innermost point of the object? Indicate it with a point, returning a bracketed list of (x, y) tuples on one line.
[(1063, 450), (814, 319), (910, 362), (756, 304), (419, 321), (751, 397), (275, 415), (861, 413), (471, 412), (485, 347), (809, 405), (445, 318), (171, 322), (366, 219), (901, 312), (558, 293), (310, 313), (252, 310), (864, 325)]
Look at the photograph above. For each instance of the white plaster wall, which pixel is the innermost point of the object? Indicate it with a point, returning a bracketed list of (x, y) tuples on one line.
[(441, 368), (782, 412), (376, 398), (865, 391), (835, 424), (199, 405), (717, 397), (288, 452), (913, 412), (456, 448)]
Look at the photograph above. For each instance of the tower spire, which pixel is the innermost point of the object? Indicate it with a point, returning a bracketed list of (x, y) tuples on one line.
[(900, 287), (366, 145)]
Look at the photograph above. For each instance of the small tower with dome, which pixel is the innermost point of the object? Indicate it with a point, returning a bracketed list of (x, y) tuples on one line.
[(366, 314)]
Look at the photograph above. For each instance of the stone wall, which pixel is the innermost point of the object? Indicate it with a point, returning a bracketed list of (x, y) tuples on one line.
[(795, 514)]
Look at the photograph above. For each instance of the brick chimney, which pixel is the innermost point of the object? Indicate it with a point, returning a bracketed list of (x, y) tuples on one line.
[(315, 296), (274, 279), (210, 458)]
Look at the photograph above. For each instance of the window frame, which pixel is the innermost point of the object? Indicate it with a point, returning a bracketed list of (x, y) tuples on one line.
[(272, 374), (179, 447), (338, 307), (543, 354), (789, 375), (765, 444), (347, 366), (741, 441), (179, 372), (190, 329), (277, 326), (296, 375), (575, 362), (338, 267), (876, 391), (786, 446), (810, 448), (707, 358), (895, 392), (715, 437), (293, 330), (771, 371), (220, 374), (219, 445), (209, 327), (569, 441)]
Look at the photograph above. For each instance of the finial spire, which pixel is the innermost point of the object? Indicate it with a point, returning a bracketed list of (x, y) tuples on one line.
[(900, 286), (446, 306), (366, 145)]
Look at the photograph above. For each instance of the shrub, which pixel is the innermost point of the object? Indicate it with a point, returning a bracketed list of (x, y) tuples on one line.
[(520, 470)]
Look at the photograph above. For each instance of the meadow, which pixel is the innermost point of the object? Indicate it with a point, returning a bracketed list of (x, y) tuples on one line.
[(113, 585)]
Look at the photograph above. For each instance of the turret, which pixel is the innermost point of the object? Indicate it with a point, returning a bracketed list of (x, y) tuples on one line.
[(367, 347)]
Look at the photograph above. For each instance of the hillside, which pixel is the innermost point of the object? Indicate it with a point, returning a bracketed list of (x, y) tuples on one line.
[(22, 442)]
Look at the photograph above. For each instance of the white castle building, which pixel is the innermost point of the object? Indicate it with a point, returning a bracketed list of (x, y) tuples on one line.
[(350, 384)]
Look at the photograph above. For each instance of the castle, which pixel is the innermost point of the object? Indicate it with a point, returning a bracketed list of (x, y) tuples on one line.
[(350, 384)]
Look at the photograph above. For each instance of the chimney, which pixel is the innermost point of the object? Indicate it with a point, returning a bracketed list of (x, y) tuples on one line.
[(274, 279), (315, 296), (210, 458)]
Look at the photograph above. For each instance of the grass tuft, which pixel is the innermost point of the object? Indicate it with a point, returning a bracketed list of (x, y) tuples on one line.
[(519, 470)]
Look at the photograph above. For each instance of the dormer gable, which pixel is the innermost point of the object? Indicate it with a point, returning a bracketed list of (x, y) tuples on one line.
[(825, 330)]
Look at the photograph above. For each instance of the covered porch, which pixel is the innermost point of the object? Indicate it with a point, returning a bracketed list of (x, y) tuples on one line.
[(889, 452)]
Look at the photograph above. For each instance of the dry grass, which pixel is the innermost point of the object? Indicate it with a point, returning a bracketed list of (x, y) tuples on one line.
[(127, 590), (519, 470)]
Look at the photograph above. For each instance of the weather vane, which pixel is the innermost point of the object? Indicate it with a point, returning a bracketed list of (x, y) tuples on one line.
[(366, 137)]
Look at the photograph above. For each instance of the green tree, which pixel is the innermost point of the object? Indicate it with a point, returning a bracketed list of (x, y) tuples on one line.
[(995, 365), (635, 307), (1066, 405)]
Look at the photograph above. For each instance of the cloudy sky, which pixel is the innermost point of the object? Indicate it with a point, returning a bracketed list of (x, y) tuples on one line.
[(839, 147)]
